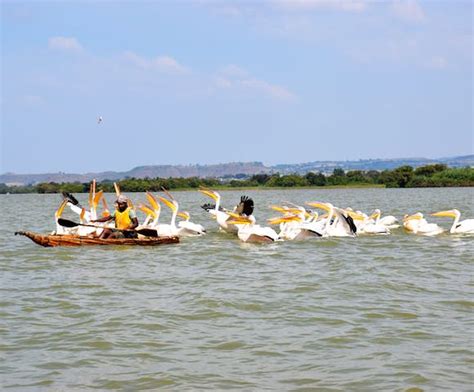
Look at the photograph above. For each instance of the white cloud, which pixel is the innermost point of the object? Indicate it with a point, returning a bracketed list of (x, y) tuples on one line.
[(234, 70), (272, 90), (160, 63), (222, 82), (339, 5), (233, 76), (408, 10), (69, 44)]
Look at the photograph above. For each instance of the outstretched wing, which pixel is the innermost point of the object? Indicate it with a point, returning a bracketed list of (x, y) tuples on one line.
[(245, 207), (70, 198), (209, 206)]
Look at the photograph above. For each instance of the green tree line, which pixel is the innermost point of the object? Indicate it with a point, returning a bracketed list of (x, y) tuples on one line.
[(437, 175)]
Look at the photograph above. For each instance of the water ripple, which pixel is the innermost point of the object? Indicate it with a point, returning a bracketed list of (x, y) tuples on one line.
[(372, 313)]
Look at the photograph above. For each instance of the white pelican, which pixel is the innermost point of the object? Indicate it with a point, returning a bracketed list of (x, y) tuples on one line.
[(372, 226), (296, 223), (192, 229), (152, 213), (249, 231), (338, 223), (169, 230), (388, 220), (464, 227), (416, 224), (94, 200), (172, 229), (222, 217)]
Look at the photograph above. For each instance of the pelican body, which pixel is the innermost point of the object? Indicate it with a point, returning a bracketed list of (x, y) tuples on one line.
[(464, 227)]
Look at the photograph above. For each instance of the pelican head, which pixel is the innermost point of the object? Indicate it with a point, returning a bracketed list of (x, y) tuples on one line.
[(184, 214), (323, 206), (375, 214), (417, 216)]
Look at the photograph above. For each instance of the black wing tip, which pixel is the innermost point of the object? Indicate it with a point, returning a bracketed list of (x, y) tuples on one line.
[(208, 206), (70, 198)]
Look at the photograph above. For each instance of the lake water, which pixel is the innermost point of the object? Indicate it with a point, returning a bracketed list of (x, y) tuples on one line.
[(391, 313)]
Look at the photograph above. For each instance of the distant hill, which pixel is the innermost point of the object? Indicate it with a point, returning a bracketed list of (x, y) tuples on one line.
[(327, 167), (240, 169), (163, 171)]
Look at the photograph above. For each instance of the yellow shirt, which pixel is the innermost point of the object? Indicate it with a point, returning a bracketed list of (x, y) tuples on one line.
[(123, 219)]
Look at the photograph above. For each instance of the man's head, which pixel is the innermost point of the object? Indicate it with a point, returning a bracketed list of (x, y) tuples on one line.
[(122, 202)]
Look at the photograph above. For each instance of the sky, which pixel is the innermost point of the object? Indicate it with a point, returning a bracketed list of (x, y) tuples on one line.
[(206, 82)]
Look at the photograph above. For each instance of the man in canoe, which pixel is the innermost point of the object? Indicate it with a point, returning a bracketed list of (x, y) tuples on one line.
[(125, 219)]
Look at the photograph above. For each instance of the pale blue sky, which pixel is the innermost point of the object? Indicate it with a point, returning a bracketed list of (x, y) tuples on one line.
[(206, 82)]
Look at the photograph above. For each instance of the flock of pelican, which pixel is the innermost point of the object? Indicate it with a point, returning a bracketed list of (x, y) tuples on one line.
[(294, 222)]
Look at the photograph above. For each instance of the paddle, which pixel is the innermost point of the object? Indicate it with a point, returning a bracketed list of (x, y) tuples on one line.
[(145, 232)]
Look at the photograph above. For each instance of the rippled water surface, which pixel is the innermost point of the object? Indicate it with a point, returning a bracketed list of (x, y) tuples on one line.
[(371, 313)]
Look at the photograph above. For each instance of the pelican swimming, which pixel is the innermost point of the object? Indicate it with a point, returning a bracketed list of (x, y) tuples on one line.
[(249, 231), (416, 224), (189, 228), (169, 230), (296, 223), (152, 213), (94, 200), (245, 207), (372, 224), (338, 223), (388, 220), (464, 227), (184, 228)]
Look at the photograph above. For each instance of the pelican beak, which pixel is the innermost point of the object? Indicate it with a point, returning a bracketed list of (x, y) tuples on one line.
[(355, 215), (410, 217), (153, 202), (106, 207), (209, 193), (322, 206), (97, 198), (82, 214), (283, 210), (283, 219), (239, 220), (60, 210), (117, 189), (91, 196), (147, 210), (444, 213), (375, 215), (170, 205)]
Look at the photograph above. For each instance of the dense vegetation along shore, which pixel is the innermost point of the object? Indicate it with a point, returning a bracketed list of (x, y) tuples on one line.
[(438, 175)]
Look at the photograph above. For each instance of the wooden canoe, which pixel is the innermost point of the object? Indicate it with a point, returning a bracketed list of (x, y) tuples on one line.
[(74, 240)]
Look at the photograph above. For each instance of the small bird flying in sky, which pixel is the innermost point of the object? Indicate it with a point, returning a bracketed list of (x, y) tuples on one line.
[(99, 119)]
